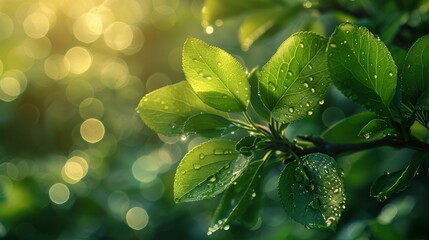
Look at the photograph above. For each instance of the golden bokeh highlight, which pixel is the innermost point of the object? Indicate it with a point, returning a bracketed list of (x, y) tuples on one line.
[(74, 169), (59, 193), (137, 218), (12, 84), (118, 36), (57, 67), (36, 25), (40, 48), (80, 59), (88, 27), (92, 130)]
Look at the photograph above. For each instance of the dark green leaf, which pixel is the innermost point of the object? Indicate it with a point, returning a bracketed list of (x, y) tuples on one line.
[(415, 73), (207, 170), (255, 101), (208, 125), (296, 78), (376, 126), (216, 77), (246, 145), (166, 110), (389, 183), (239, 197), (312, 191), (348, 129), (362, 68)]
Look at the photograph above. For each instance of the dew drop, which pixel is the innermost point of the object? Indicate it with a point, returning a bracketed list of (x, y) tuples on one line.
[(321, 102), (212, 179), (289, 73), (312, 90), (226, 228), (366, 135), (219, 63), (306, 85), (310, 112), (194, 59), (209, 29), (271, 86), (202, 156), (345, 41), (310, 66), (183, 137), (208, 77), (301, 45), (307, 104), (218, 152), (291, 109), (253, 195), (165, 107), (209, 233), (387, 173), (333, 45), (172, 125), (311, 79), (375, 76), (336, 190), (329, 221), (391, 74), (197, 166)]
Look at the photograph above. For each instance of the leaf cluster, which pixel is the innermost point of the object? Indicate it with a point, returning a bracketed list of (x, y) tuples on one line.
[(220, 97)]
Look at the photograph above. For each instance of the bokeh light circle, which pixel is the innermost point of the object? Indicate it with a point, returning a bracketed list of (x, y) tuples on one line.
[(137, 218), (92, 130), (59, 193)]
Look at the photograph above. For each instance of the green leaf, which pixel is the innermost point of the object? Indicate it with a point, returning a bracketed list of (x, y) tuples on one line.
[(348, 130), (258, 24), (296, 78), (166, 110), (389, 183), (208, 125), (312, 191), (216, 77), (376, 126), (255, 101), (362, 68), (207, 170), (247, 145), (415, 73), (239, 197)]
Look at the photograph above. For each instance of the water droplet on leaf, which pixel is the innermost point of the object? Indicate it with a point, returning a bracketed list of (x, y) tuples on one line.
[(291, 109), (197, 166)]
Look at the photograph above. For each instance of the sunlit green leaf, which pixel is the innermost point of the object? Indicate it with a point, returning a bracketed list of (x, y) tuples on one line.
[(166, 110), (415, 73), (216, 77), (296, 78), (362, 67), (376, 126), (239, 197), (312, 191), (348, 129), (208, 125), (389, 183), (207, 170)]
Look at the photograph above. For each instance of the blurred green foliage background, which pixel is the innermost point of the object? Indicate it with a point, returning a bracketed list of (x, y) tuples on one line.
[(76, 162)]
